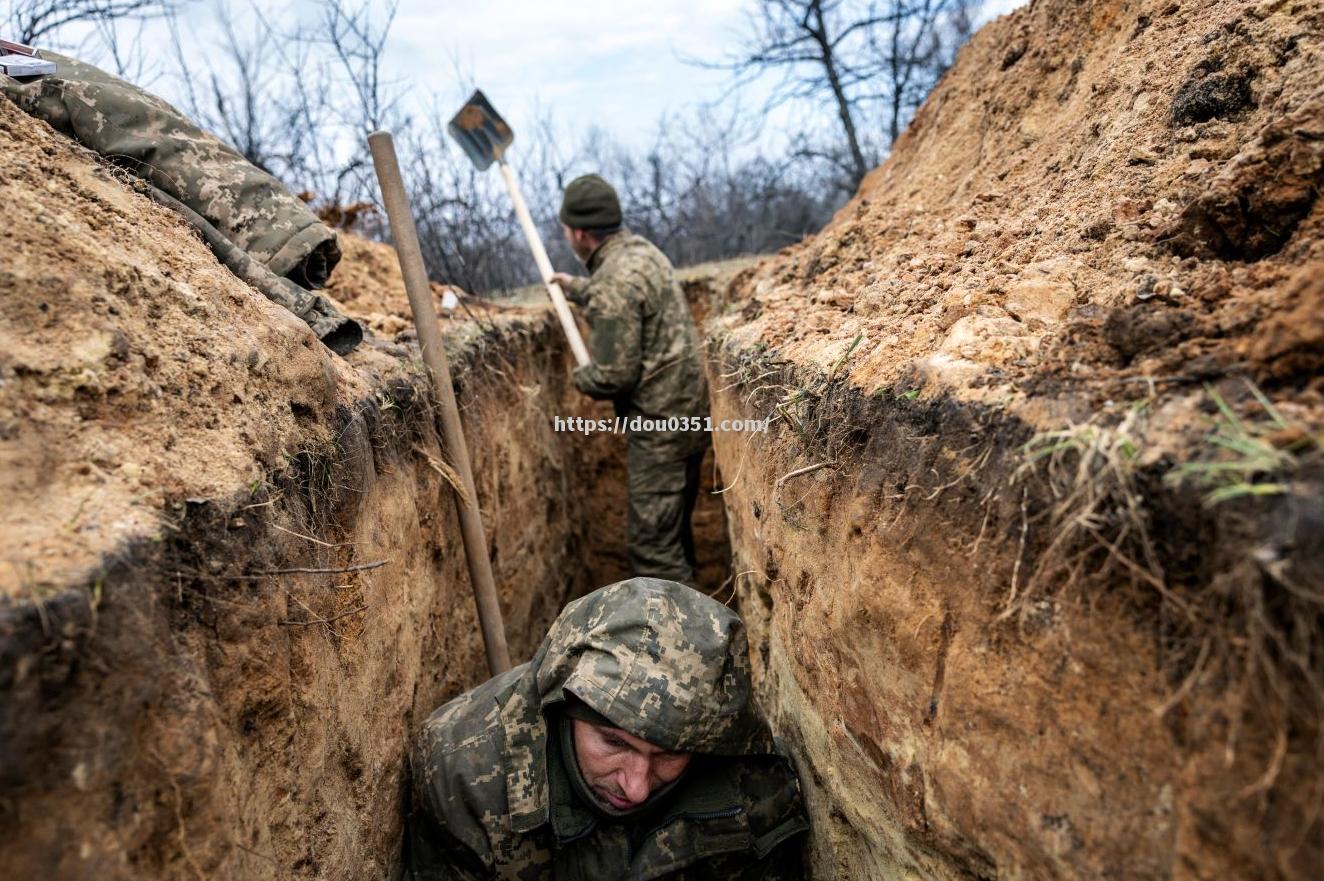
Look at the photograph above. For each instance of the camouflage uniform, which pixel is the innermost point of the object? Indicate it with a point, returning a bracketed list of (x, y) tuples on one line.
[(666, 664), (245, 214), (645, 358)]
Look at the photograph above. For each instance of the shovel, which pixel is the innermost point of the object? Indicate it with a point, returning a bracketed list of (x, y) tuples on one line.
[(484, 136)]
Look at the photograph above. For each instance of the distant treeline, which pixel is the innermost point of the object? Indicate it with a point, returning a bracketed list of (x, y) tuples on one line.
[(299, 99)]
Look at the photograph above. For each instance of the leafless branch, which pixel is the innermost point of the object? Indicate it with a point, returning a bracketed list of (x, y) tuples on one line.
[(847, 55), (34, 21)]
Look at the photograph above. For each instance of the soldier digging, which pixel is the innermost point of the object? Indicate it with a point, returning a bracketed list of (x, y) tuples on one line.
[(645, 359), (628, 748)]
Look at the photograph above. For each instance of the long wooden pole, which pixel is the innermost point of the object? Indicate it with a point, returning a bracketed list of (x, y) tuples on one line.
[(545, 266), (415, 274)]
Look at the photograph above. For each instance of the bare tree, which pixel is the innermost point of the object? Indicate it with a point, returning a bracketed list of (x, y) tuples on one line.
[(37, 20), (847, 55), (127, 58), (912, 45), (357, 36), (699, 189), (297, 100), (809, 45), (239, 100)]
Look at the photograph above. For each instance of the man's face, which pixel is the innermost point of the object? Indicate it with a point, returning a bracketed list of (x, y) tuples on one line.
[(580, 242), (619, 768)]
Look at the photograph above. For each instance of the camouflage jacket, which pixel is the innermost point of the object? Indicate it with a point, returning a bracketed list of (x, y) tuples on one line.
[(668, 665), (211, 185), (643, 343)]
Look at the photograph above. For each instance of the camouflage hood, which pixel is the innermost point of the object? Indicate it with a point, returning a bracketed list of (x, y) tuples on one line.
[(662, 661)]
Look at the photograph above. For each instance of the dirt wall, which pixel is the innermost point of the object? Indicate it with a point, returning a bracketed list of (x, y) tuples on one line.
[(233, 580), (185, 713), (1029, 552), (941, 735)]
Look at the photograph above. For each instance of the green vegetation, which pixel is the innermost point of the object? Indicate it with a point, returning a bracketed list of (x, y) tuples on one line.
[(1251, 457)]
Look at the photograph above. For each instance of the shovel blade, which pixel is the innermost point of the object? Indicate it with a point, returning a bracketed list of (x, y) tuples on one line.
[(480, 131)]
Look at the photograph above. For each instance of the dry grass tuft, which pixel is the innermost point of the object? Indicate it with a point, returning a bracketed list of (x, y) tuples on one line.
[(1249, 626), (1098, 522)]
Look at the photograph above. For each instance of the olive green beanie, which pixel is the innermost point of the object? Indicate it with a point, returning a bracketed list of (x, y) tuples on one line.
[(590, 203)]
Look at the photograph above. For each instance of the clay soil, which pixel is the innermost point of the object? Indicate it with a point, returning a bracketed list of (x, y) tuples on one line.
[(130, 381), (1095, 195), (231, 580), (1029, 559), (1023, 597), (231, 577)]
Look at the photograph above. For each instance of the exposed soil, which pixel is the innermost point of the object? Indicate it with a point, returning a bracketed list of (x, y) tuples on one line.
[(176, 704), (1029, 557), (1029, 552), (1055, 211), (128, 380), (177, 701), (369, 284)]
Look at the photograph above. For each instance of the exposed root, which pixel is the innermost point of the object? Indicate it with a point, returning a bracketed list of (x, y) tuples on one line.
[(781, 481), (354, 611), (1253, 631), (1091, 473), (316, 541), (448, 474)]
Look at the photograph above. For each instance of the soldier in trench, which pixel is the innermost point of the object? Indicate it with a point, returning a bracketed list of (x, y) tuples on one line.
[(645, 359), (629, 747)]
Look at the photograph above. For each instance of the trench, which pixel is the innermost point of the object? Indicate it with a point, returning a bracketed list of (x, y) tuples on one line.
[(233, 582), (242, 585), (195, 708), (233, 698), (202, 705)]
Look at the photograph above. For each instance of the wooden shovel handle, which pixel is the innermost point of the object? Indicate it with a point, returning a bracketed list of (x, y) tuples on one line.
[(545, 267), (434, 356)]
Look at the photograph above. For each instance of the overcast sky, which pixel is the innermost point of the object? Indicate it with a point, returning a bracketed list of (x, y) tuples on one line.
[(621, 68), (618, 65)]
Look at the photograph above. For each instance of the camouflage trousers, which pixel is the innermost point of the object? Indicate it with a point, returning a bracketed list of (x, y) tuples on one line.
[(662, 494)]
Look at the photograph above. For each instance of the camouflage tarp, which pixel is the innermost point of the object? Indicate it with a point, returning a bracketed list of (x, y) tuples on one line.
[(243, 204), (340, 334)]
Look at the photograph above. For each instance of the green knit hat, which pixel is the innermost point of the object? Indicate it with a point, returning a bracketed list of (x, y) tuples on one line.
[(590, 203)]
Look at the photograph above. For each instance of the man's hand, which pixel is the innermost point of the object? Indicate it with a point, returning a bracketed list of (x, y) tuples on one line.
[(573, 287)]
